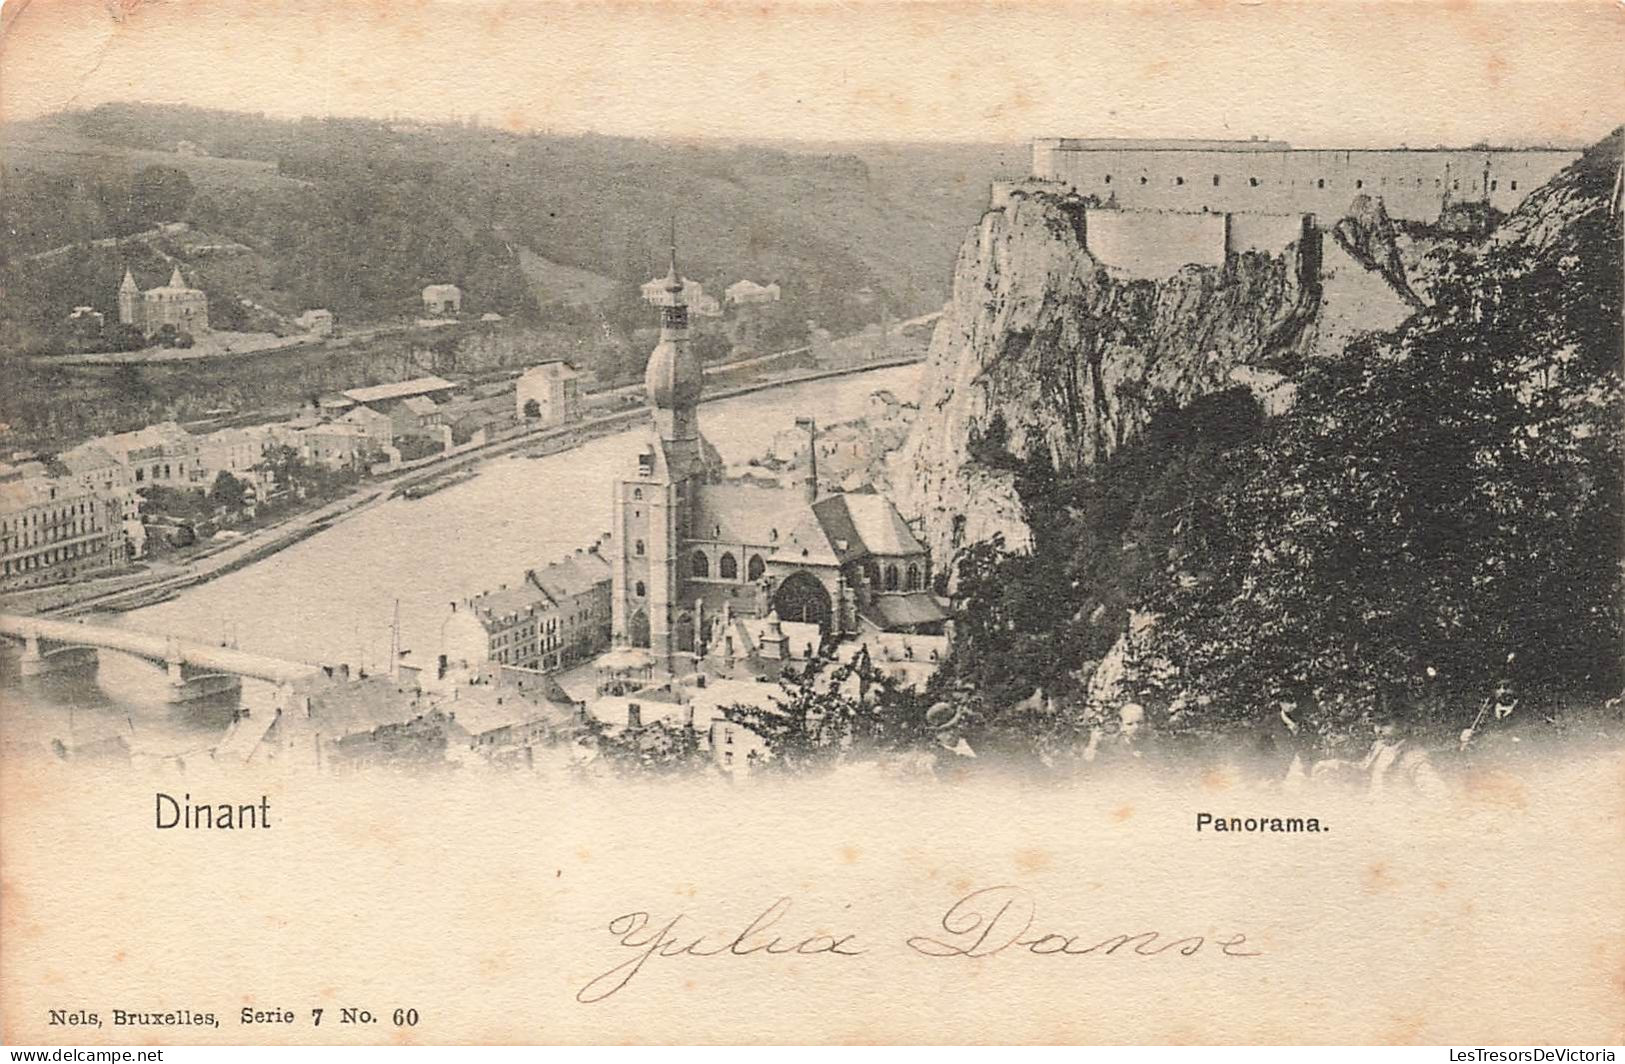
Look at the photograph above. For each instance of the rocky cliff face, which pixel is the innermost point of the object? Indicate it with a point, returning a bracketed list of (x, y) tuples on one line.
[(1047, 346)]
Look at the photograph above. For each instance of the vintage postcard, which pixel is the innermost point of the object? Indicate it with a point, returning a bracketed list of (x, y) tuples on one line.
[(1036, 522)]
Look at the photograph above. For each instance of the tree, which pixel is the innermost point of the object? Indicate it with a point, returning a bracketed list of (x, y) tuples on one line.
[(160, 193), (830, 711), (1441, 500), (228, 492)]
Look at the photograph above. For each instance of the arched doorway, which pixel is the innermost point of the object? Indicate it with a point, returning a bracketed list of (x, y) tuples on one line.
[(800, 597), (637, 629)]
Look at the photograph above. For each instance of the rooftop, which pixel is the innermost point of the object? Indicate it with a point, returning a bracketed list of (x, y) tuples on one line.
[(574, 574), (87, 459), (868, 520), (555, 369), (503, 603), (399, 390), (898, 611)]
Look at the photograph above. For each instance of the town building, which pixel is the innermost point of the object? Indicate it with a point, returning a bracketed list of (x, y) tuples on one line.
[(161, 455), (97, 470), (238, 451), (55, 528), (688, 543), (555, 388), (379, 428), (502, 707), (442, 299), (557, 616), (413, 406), (176, 304), (510, 626), (747, 292), (579, 586), (654, 291), (334, 444)]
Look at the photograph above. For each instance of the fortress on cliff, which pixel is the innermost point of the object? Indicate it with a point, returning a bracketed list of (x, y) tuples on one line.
[(1167, 203)]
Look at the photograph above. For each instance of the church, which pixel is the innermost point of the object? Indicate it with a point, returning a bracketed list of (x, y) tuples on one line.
[(691, 546), (176, 303)]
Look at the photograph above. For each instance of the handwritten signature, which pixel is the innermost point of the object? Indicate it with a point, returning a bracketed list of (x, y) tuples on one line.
[(984, 923)]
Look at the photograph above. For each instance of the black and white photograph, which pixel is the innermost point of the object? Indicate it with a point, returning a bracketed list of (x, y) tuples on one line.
[(878, 457)]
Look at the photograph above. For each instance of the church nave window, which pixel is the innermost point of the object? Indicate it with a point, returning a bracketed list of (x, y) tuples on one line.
[(700, 565), (728, 567), (755, 568)]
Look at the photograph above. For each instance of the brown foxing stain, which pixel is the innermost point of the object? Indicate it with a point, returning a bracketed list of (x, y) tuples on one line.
[(961, 885), (1405, 1030), (118, 956), (1216, 779), (1441, 885), (1033, 860), (1122, 813), (14, 913), (583, 854), (1377, 879), (1497, 788), (850, 854)]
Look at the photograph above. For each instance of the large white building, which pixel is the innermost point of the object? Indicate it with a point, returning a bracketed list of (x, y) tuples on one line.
[(555, 388)]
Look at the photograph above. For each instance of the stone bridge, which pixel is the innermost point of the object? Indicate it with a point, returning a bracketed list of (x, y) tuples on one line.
[(195, 669)]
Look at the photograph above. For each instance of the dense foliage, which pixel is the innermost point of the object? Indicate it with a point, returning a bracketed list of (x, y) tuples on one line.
[(1440, 512), (356, 215)]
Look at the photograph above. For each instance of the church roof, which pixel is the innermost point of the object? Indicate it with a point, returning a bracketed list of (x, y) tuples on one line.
[(891, 612), (833, 530), (868, 522), (737, 511)]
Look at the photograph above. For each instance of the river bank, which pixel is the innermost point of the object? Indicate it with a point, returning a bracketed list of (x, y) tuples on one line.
[(162, 585)]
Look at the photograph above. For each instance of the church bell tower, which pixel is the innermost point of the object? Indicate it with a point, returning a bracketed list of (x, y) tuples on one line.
[(652, 508)]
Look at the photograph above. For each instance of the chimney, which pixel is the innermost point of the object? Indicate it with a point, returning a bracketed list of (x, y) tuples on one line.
[(811, 483), (634, 716)]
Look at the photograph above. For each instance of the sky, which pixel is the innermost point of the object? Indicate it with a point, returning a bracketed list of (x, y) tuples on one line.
[(1329, 73)]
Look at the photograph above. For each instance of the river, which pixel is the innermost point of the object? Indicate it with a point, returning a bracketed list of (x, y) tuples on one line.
[(331, 597)]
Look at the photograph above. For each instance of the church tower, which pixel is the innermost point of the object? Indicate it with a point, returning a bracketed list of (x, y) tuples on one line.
[(129, 299), (653, 508)]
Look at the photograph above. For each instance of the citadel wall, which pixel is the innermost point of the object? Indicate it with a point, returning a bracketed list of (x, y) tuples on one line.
[(1151, 244), (1269, 177)]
